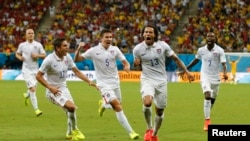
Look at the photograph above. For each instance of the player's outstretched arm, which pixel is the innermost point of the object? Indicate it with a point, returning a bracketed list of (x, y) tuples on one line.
[(224, 67), (78, 57), (181, 65), (83, 77)]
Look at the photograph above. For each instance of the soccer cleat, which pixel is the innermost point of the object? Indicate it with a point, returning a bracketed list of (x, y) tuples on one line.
[(148, 135), (206, 123), (154, 138), (68, 136), (101, 108), (38, 112), (26, 99), (77, 135), (133, 135)]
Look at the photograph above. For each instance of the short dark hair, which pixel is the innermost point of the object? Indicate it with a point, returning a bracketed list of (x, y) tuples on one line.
[(155, 31), (105, 31), (58, 42)]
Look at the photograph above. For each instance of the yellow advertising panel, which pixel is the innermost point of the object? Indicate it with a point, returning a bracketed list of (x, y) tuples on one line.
[(197, 77), (132, 76)]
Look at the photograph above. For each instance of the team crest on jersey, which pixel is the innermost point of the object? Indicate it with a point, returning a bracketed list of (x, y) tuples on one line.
[(158, 51), (108, 95), (215, 54), (112, 52), (66, 62)]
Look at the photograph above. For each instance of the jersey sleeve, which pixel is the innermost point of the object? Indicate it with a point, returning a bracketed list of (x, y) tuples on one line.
[(41, 49), (222, 56), (19, 49), (198, 54), (136, 52), (169, 51), (71, 63), (45, 65)]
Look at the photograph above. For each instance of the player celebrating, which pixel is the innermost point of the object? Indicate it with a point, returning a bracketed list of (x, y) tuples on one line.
[(151, 55), (56, 66), (104, 56), (211, 55)]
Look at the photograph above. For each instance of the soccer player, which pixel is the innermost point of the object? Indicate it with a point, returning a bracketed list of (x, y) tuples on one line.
[(233, 64), (56, 66), (104, 57), (29, 52), (211, 55), (151, 55)]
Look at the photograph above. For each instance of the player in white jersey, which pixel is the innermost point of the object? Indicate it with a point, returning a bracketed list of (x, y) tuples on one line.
[(56, 66), (211, 56), (151, 55), (104, 57), (29, 52)]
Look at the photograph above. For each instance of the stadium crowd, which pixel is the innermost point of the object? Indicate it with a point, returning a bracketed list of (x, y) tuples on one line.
[(81, 20), (16, 16), (230, 20)]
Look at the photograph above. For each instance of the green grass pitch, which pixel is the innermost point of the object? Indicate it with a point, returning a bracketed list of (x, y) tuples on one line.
[(183, 119)]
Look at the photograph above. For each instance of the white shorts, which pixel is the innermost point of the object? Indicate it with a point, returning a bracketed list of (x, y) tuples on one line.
[(30, 79), (213, 88), (158, 90), (61, 99), (110, 94)]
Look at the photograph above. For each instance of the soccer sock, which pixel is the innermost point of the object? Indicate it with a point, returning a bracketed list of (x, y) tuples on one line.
[(69, 126), (33, 99), (158, 121), (28, 94), (72, 120), (123, 121), (207, 108), (107, 106), (148, 116)]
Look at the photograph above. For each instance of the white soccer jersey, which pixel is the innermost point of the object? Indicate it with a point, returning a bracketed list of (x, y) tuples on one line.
[(25, 48), (56, 69), (153, 59), (211, 60), (105, 64)]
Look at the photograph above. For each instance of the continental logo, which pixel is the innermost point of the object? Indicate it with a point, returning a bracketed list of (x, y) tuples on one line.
[(185, 79), (196, 77), (132, 76)]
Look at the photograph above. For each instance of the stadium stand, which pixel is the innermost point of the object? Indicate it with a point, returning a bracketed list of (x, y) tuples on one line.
[(230, 20), (81, 20)]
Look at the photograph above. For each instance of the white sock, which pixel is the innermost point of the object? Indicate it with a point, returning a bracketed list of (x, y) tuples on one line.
[(148, 116), (33, 99), (207, 108), (107, 106), (72, 120), (69, 126), (123, 121), (158, 121), (28, 94)]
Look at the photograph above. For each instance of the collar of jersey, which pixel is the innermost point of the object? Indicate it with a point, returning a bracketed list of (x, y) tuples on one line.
[(147, 47), (57, 58)]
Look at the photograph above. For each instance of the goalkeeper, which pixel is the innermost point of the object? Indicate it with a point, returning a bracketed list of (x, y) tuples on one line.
[(233, 64)]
